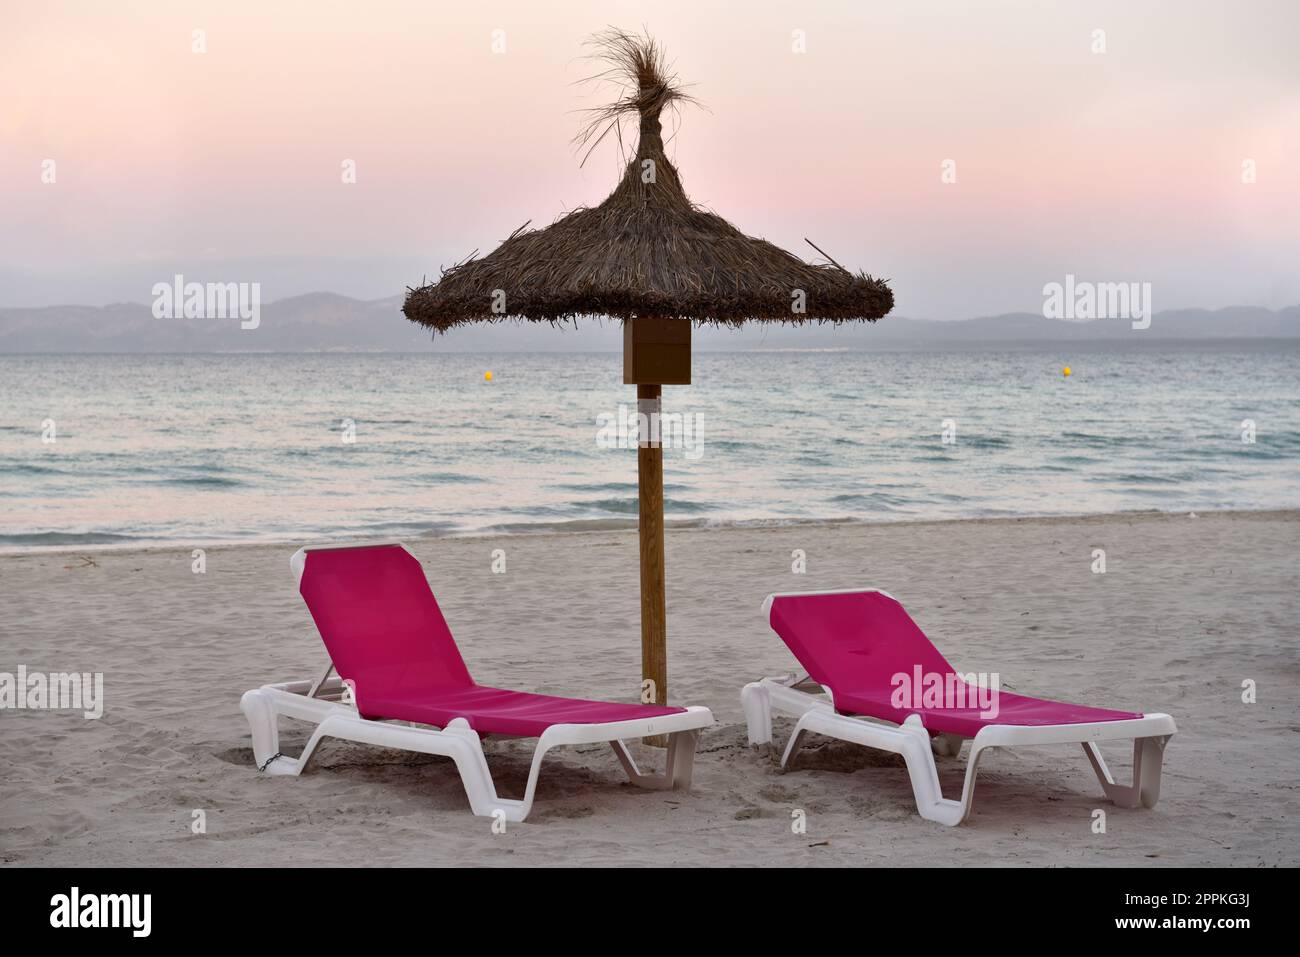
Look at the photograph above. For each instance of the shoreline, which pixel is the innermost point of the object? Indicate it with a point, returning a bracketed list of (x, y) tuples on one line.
[(616, 526)]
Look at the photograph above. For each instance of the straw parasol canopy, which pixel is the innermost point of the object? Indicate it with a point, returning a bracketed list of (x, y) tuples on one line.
[(649, 256), (647, 249)]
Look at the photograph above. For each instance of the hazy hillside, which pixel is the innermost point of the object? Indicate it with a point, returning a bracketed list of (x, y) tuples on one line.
[(323, 322)]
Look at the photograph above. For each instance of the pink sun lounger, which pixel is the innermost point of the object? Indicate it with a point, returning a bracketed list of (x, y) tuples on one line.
[(865, 652), (396, 661)]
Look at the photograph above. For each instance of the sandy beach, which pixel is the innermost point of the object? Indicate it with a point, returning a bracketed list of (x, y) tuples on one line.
[(1188, 609)]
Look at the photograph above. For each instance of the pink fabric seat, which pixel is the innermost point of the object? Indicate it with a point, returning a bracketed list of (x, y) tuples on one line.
[(856, 642), (384, 631), (497, 711)]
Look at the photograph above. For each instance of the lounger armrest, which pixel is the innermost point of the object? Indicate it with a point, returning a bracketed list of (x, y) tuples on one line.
[(1155, 725)]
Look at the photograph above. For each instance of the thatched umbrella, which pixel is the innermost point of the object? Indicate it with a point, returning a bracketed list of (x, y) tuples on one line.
[(649, 256)]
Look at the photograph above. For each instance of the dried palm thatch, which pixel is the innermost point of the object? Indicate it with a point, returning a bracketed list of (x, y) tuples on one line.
[(647, 250)]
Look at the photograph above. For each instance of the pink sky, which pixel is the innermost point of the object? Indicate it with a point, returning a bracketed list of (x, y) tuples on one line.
[(226, 165)]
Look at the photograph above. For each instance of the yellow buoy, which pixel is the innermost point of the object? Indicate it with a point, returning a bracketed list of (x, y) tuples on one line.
[(1065, 372), (487, 376)]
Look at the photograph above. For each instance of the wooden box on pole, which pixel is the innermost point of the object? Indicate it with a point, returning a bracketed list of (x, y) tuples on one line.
[(656, 351)]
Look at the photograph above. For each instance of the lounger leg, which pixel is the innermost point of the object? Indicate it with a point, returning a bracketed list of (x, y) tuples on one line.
[(796, 740), (912, 741), (457, 741), (262, 721), (681, 758), (947, 745), (678, 764), (758, 713), (921, 768), (1148, 760)]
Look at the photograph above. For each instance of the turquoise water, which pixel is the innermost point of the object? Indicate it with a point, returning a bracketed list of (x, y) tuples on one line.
[(195, 449)]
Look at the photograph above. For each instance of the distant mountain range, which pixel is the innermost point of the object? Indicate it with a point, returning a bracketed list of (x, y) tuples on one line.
[(324, 322)]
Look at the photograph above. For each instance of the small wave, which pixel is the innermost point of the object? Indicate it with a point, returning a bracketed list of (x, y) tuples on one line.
[(1149, 478), (447, 478), (622, 506), (629, 505), (677, 505), (870, 499), (200, 481), (1013, 469), (411, 529), (985, 441), (957, 497), (573, 525), (29, 468), (628, 488), (1095, 441), (36, 539), (1131, 478), (1261, 451)]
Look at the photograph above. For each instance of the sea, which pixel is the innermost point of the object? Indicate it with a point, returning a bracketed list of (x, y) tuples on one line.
[(102, 451)]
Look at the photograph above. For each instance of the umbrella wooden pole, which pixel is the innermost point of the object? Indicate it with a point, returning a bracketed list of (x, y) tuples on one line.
[(650, 529), (656, 352)]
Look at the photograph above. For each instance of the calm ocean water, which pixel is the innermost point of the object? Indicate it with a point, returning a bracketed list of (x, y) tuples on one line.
[(195, 449)]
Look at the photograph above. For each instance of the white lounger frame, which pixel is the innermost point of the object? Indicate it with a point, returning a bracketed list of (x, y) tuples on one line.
[(322, 702), (816, 713)]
